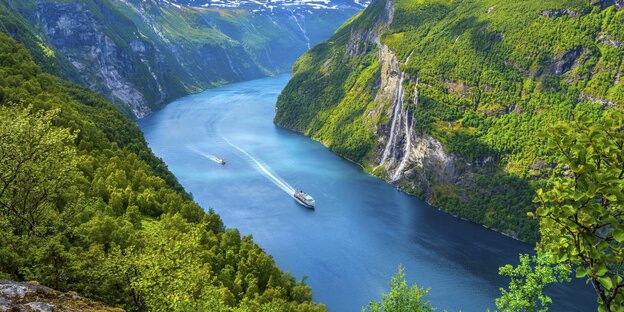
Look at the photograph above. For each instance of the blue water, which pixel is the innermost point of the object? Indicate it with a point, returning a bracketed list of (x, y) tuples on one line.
[(361, 230)]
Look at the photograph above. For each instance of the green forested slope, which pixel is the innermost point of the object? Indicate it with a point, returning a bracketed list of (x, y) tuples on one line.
[(489, 76), (85, 206)]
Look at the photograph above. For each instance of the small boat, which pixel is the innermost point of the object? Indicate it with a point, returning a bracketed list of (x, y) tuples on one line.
[(219, 161), (304, 199)]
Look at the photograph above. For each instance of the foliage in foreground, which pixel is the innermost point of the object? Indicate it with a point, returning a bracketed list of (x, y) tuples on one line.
[(85, 206), (528, 279), (401, 298), (580, 218), (582, 215)]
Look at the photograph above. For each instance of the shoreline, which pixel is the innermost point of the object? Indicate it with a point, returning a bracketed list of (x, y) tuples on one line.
[(399, 188)]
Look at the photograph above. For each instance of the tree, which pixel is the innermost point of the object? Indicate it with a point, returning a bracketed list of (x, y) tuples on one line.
[(528, 280), (581, 215), (71, 216), (37, 163), (401, 298)]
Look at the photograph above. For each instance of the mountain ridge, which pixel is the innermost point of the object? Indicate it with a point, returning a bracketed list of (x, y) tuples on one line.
[(448, 103), (143, 54)]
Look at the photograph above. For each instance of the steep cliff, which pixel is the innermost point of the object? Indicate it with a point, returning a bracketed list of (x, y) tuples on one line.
[(143, 54), (446, 99)]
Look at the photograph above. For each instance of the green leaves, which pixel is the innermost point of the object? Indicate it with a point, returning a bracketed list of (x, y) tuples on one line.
[(581, 272), (581, 216), (606, 282), (401, 298), (618, 234), (37, 164), (528, 279), (87, 207)]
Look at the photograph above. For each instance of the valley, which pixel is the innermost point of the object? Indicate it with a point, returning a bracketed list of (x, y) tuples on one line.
[(312, 155), (361, 229), (143, 54)]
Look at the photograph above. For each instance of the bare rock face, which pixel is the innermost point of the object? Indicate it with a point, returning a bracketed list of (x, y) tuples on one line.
[(130, 52), (607, 39), (362, 42), (567, 61), (619, 4), (107, 66), (16, 296), (403, 152), (559, 13), (408, 158)]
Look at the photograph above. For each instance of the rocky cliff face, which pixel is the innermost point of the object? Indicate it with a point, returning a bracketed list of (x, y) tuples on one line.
[(402, 154), (16, 296), (108, 66), (143, 54), (446, 100)]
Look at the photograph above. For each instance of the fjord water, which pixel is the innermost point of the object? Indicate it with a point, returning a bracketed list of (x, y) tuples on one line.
[(362, 228)]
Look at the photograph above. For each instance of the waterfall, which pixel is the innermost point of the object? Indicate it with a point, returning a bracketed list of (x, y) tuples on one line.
[(229, 59), (398, 109), (415, 101), (398, 106), (408, 138), (305, 34)]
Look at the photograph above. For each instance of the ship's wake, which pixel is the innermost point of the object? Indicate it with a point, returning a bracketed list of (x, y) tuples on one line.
[(264, 169), (208, 156)]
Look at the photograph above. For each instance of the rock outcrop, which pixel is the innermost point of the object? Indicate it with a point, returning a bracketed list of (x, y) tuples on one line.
[(16, 296), (401, 151)]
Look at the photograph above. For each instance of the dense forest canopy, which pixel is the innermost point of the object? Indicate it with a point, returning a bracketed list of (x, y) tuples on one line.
[(86, 206)]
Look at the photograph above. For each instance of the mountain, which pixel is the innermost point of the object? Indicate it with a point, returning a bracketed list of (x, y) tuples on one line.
[(276, 7), (85, 206), (143, 54), (446, 99)]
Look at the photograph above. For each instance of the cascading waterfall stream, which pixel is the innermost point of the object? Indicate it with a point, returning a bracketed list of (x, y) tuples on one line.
[(415, 100), (397, 113), (303, 31), (409, 125), (398, 105), (231, 64)]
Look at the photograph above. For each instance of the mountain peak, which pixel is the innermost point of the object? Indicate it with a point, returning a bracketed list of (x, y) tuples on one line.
[(272, 6)]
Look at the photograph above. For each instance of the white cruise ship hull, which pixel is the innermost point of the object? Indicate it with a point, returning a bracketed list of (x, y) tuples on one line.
[(303, 203)]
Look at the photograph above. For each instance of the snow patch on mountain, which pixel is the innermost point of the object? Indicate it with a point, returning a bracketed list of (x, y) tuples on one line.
[(273, 6)]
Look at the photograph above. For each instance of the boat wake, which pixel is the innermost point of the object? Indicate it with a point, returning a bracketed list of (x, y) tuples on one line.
[(211, 157), (264, 169)]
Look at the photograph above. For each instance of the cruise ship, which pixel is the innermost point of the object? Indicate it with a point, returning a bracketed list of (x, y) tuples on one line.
[(304, 199)]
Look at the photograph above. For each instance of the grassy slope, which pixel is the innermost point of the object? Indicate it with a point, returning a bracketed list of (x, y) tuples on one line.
[(329, 91), (492, 74)]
